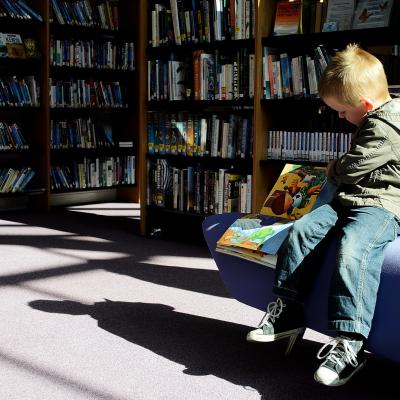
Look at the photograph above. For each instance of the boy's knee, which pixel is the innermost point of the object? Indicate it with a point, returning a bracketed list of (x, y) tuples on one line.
[(308, 228)]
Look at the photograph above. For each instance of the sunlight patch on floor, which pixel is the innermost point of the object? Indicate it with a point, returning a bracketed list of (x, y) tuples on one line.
[(315, 336), (88, 239), (86, 255), (128, 210), (33, 231), (180, 261), (22, 259), (6, 222)]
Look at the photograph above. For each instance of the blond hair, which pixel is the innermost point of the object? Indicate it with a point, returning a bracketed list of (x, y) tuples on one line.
[(352, 74)]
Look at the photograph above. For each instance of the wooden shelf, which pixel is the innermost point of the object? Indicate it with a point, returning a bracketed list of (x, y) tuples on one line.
[(20, 25), (279, 161), (81, 31), (29, 192), (20, 62), (16, 152), (102, 151), (182, 105), (161, 51), (21, 108), (205, 160), (90, 72), (365, 37), (87, 110), (308, 100), (57, 191), (166, 210)]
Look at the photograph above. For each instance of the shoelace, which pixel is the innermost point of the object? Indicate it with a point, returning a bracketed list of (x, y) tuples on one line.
[(341, 352), (274, 310)]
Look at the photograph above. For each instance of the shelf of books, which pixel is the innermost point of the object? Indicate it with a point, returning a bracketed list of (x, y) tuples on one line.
[(93, 131), (295, 134), (294, 43), (69, 114), (199, 110), (190, 107), (21, 104)]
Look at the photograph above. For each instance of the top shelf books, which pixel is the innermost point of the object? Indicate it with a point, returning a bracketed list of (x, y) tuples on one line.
[(89, 13), (363, 14), (288, 17), (18, 10), (313, 16), (182, 22)]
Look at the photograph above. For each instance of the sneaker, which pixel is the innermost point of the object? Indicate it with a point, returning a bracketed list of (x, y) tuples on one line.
[(278, 323), (343, 359)]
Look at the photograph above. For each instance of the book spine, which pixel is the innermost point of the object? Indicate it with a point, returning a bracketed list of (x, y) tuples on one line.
[(175, 21)]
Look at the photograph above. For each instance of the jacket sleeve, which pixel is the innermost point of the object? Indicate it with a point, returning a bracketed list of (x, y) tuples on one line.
[(369, 150)]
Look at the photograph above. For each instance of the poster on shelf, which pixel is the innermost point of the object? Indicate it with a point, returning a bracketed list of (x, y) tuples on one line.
[(339, 15), (372, 14), (287, 17)]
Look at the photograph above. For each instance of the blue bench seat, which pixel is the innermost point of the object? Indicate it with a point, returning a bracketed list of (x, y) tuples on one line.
[(251, 283)]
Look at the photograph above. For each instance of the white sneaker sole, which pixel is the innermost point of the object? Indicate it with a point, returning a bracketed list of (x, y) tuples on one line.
[(339, 382), (257, 335)]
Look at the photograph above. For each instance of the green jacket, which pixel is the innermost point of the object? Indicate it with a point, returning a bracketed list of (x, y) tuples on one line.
[(369, 174)]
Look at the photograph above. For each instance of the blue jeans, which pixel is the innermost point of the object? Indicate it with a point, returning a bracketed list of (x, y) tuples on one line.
[(363, 234)]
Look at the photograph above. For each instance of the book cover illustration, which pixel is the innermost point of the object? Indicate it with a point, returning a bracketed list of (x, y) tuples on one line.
[(295, 192), (288, 17), (257, 237), (252, 230), (31, 48), (372, 14), (339, 15), (15, 47)]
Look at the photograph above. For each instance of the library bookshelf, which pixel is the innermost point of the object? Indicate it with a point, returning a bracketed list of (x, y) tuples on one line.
[(306, 113), (198, 135), (30, 117), (131, 124), (83, 134), (292, 115)]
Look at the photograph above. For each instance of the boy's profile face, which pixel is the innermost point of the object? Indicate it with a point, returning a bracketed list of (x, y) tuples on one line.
[(353, 114)]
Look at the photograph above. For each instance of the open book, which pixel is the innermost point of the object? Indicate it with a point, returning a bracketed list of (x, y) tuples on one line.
[(258, 237)]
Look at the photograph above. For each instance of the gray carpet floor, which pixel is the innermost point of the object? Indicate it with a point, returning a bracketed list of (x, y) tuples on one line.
[(90, 310)]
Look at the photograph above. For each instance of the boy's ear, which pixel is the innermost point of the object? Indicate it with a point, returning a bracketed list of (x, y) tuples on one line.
[(368, 104)]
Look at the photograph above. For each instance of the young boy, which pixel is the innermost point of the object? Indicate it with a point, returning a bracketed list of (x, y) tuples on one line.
[(364, 212)]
